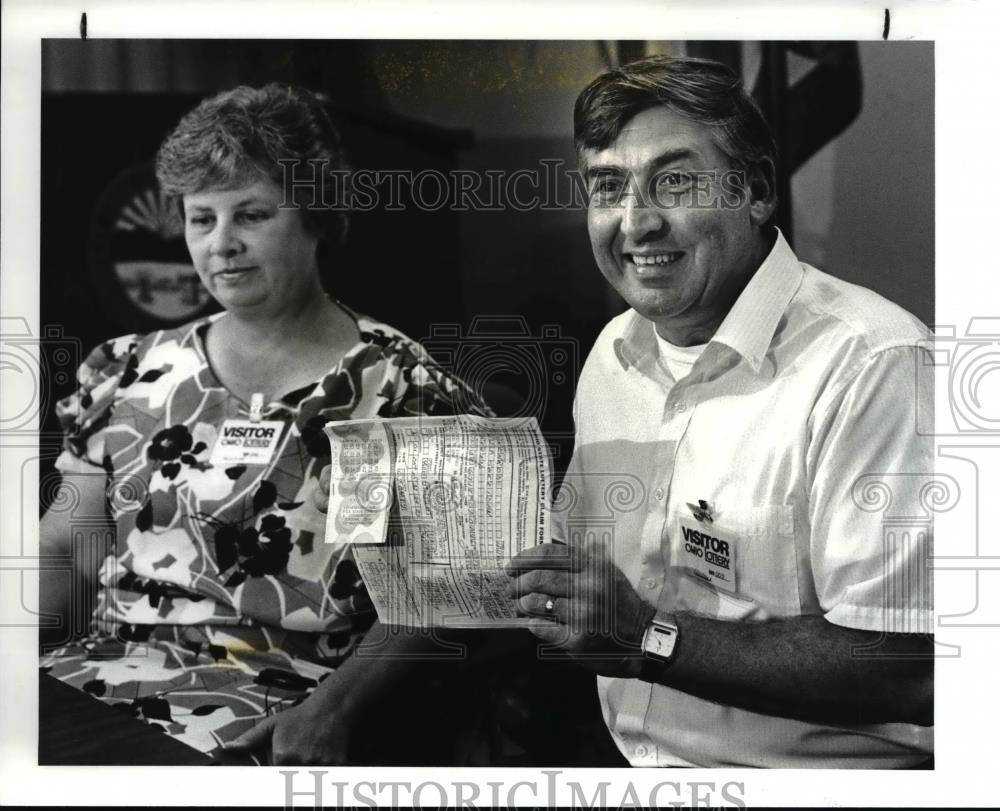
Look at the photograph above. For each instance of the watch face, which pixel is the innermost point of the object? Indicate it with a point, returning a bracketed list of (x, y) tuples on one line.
[(660, 641)]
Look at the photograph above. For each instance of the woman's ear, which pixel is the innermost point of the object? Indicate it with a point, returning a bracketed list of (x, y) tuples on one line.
[(762, 184)]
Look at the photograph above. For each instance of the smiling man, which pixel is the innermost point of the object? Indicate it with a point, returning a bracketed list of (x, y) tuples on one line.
[(726, 573)]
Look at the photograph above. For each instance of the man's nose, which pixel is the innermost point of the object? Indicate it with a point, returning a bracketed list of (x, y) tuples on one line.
[(641, 219)]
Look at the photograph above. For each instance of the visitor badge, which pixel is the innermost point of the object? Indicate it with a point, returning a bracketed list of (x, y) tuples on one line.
[(246, 442), (709, 551)]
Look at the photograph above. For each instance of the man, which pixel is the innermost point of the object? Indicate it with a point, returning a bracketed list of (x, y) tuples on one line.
[(727, 575)]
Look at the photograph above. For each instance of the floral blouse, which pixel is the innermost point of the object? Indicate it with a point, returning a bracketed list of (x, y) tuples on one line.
[(239, 545)]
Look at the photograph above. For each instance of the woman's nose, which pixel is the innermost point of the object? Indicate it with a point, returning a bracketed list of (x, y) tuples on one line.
[(225, 240)]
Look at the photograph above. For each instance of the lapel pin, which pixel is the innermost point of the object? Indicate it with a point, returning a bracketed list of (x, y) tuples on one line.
[(702, 510)]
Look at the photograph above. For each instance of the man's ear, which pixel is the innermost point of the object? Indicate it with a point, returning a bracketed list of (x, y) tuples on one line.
[(762, 183)]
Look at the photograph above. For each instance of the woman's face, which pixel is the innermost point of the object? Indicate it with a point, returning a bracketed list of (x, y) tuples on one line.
[(251, 255)]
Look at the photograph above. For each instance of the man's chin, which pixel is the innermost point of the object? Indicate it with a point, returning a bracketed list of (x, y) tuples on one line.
[(653, 307)]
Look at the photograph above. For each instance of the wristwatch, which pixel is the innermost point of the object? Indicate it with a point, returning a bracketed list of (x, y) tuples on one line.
[(659, 645)]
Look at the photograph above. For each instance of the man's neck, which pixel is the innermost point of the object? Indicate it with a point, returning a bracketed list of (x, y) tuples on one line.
[(684, 336)]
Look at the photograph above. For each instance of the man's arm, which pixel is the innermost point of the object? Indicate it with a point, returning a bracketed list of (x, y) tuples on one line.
[(805, 668), (802, 667)]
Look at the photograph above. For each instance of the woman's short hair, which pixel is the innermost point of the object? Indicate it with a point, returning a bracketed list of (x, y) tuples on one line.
[(702, 90), (239, 136)]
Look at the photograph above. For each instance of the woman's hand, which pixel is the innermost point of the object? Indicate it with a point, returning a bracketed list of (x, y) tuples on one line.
[(300, 736), (319, 730), (321, 495)]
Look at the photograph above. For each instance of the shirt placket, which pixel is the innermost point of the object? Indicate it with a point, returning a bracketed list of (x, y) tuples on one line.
[(678, 407)]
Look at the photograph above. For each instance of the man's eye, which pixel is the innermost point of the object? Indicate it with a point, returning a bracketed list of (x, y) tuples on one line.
[(606, 186), (200, 221), (673, 181)]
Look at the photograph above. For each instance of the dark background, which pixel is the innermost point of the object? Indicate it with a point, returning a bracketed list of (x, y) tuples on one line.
[(511, 299)]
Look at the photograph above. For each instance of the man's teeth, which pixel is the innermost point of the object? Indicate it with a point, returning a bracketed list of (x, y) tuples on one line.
[(658, 259)]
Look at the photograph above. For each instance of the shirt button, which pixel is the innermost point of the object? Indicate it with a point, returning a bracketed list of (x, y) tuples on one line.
[(641, 751), (649, 583), (681, 407), (658, 492)]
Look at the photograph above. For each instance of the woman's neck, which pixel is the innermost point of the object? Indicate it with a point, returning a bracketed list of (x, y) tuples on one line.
[(277, 355), (316, 320)]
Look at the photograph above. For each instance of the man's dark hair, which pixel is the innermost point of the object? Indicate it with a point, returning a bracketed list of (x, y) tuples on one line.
[(702, 90)]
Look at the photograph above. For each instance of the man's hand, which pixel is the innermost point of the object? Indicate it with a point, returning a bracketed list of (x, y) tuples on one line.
[(296, 737), (582, 604)]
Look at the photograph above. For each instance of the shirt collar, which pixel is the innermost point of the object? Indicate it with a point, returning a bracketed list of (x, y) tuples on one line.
[(750, 324), (636, 342), (753, 319)]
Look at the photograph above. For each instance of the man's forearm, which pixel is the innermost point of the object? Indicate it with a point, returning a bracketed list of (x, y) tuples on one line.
[(806, 668)]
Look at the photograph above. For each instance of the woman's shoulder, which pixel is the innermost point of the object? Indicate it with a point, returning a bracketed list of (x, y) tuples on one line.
[(372, 329), (184, 335), (110, 353), (116, 362), (119, 348), (422, 385), (393, 343)]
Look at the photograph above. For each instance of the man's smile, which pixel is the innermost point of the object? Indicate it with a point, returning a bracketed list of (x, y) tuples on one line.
[(653, 264)]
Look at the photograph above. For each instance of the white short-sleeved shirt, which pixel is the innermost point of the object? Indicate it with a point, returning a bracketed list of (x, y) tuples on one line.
[(797, 426)]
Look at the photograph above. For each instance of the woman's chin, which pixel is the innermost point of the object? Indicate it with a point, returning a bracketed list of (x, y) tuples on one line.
[(241, 301)]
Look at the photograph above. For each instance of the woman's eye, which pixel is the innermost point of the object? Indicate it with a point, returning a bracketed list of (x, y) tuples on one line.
[(253, 216), (200, 221)]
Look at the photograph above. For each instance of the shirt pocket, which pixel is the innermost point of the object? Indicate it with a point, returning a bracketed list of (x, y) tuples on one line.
[(767, 571)]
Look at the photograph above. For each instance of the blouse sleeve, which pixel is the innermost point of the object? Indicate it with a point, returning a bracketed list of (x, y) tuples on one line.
[(84, 415), (431, 390)]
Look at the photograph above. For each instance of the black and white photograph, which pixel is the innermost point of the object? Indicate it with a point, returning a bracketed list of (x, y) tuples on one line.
[(545, 410)]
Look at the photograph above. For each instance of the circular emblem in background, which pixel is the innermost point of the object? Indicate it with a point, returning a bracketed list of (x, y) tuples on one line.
[(139, 256)]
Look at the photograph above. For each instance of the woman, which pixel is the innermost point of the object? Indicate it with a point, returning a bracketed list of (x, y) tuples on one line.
[(219, 602)]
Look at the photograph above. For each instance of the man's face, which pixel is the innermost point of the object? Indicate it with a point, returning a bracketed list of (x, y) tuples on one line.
[(674, 235)]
